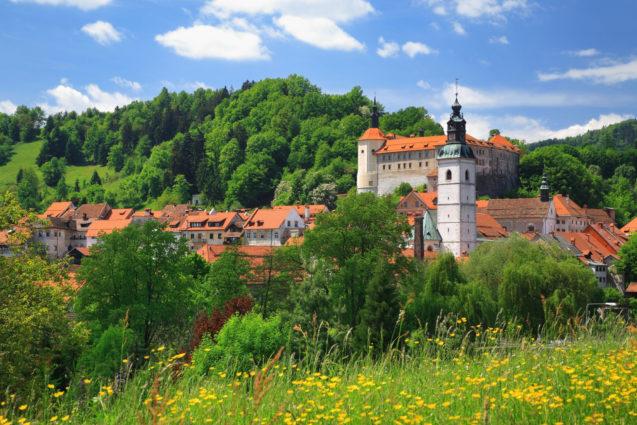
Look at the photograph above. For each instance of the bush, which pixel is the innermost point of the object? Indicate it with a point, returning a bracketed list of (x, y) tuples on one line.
[(104, 359), (242, 342)]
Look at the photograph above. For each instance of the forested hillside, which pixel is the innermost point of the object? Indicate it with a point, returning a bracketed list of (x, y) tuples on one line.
[(278, 140), (600, 171), (621, 136)]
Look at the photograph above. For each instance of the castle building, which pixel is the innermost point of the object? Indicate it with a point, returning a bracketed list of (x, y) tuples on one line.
[(457, 188), (386, 160)]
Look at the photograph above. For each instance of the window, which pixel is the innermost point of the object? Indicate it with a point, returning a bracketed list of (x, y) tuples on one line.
[(262, 235), (410, 165), (212, 236), (362, 150), (420, 164), (383, 167), (448, 174), (48, 233), (426, 163), (219, 235), (192, 236), (466, 175), (288, 223), (247, 235), (276, 235), (398, 168), (296, 223), (389, 166)]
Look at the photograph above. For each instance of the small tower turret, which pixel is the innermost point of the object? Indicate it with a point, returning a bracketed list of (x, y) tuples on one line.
[(544, 189), (368, 144), (374, 117)]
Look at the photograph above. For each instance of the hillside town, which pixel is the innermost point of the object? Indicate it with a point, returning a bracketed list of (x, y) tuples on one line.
[(441, 220)]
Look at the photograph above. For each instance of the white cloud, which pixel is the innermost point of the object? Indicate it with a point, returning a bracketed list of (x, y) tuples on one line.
[(585, 52), (499, 40), (123, 82), (205, 41), (197, 85), (459, 29), (336, 10), (478, 99), (533, 130), (387, 49), (412, 48), (81, 4), (320, 32), (7, 107), (479, 8), (102, 32), (611, 74), (66, 98), (423, 85)]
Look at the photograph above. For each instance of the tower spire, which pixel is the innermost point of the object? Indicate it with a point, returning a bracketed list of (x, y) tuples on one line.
[(544, 188), (374, 120)]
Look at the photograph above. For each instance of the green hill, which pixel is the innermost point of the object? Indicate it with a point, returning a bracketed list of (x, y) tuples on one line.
[(620, 136), (273, 141)]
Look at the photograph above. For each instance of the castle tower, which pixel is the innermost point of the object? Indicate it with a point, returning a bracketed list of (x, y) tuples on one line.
[(457, 188), (544, 189), (370, 142)]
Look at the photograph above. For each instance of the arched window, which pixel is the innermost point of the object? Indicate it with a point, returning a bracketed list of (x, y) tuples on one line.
[(531, 228), (448, 174), (466, 175), (430, 248)]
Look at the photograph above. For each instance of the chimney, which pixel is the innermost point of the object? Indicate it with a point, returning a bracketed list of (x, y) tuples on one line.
[(307, 212), (568, 199), (610, 212), (419, 243)]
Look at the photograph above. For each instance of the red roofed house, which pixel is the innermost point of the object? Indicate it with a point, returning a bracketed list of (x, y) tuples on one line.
[(104, 227), (631, 227), (416, 202), (308, 212), (210, 228), (272, 227), (57, 233), (386, 160)]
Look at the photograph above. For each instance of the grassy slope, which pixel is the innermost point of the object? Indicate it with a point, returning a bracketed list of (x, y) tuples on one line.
[(589, 380), (25, 154)]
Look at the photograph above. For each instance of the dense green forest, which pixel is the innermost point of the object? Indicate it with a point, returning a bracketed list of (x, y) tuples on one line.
[(620, 136), (278, 140), (593, 175)]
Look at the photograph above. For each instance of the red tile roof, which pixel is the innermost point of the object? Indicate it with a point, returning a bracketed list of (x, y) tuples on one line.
[(565, 206), (373, 134), (106, 226), (268, 219), (489, 227), (120, 214), (405, 144), (513, 208), (631, 227), (631, 288), (56, 209), (598, 215), (91, 211)]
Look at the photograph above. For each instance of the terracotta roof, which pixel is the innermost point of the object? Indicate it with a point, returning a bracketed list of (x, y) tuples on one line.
[(106, 226), (373, 134), (409, 253), (631, 227), (56, 209), (254, 254), (632, 287), (565, 206), (120, 214), (433, 173), (91, 211), (590, 247), (428, 199), (489, 227), (268, 219), (513, 208), (405, 144), (300, 208), (174, 210), (502, 141), (598, 215)]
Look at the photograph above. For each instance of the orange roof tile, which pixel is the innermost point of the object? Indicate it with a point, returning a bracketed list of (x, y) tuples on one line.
[(120, 214), (589, 246), (598, 215), (106, 226), (631, 288), (631, 227), (489, 227), (373, 134), (513, 208), (268, 219), (565, 206), (433, 173), (502, 141), (56, 209), (91, 211)]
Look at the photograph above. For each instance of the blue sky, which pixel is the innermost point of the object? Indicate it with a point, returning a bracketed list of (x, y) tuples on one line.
[(533, 69)]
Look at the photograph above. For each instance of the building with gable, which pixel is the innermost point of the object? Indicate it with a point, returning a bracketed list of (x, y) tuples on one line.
[(386, 160), (272, 227)]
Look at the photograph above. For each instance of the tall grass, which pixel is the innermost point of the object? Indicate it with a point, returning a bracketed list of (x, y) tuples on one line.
[(455, 374)]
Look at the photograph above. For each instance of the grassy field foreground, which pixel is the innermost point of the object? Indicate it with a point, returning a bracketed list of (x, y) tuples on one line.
[(589, 379)]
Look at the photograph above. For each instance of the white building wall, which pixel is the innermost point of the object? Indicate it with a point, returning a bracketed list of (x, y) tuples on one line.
[(367, 176), (457, 205)]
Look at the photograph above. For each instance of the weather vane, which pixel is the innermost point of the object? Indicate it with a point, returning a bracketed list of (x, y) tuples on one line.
[(456, 87)]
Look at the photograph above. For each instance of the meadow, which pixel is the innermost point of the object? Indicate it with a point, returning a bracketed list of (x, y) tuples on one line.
[(25, 155), (462, 375)]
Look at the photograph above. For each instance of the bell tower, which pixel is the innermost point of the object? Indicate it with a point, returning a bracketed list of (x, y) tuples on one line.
[(370, 142), (457, 188)]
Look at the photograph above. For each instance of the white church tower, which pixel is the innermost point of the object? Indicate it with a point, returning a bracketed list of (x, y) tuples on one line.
[(370, 142), (457, 188)]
